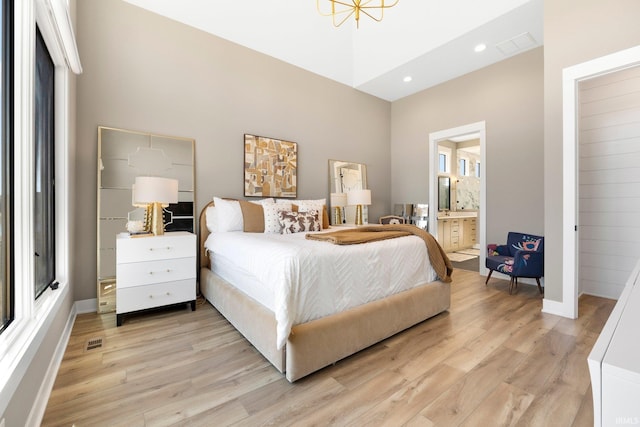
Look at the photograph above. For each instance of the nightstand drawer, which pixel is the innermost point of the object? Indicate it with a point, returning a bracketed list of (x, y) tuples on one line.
[(144, 273), (156, 295), (167, 246), (155, 271)]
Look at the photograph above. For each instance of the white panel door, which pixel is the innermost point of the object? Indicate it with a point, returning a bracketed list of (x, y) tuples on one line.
[(608, 181)]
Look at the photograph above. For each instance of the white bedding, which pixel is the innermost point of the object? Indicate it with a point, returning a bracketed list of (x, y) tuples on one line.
[(301, 280)]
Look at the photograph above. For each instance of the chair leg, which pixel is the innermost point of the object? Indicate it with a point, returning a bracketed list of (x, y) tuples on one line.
[(511, 285), (488, 277), (539, 287), (515, 281)]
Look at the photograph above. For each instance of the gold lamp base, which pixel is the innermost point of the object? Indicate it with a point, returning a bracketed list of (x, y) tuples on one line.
[(157, 222), (359, 215), (339, 215)]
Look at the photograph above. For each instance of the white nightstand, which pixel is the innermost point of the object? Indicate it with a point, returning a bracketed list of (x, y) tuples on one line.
[(155, 271)]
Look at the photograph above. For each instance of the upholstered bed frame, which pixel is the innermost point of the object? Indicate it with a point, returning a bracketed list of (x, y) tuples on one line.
[(319, 343)]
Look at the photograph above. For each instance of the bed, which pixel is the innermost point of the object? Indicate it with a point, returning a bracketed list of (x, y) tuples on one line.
[(299, 344)]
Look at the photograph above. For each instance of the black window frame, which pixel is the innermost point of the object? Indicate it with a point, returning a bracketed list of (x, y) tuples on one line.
[(7, 167), (44, 169)]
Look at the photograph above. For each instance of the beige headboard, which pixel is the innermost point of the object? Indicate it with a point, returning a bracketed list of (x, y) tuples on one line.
[(203, 234)]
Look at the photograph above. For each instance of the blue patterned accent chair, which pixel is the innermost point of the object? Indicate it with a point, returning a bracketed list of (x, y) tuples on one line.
[(522, 256)]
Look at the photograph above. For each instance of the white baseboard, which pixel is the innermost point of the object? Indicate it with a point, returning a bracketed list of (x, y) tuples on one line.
[(86, 306), (41, 400), (557, 308)]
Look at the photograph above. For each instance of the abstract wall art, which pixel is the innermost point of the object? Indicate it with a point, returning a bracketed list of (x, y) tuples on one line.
[(270, 167)]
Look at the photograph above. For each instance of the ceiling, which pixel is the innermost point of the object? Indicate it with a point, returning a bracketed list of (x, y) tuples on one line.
[(430, 40)]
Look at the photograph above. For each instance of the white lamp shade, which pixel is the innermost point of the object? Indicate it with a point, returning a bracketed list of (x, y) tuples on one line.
[(338, 200), (154, 189), (359, 197)]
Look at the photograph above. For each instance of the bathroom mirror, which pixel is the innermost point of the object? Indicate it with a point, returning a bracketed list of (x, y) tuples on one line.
[(444, 193), (123, 155), (344, 177)]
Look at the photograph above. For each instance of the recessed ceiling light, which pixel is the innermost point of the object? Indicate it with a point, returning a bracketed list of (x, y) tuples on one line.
[(407, 79), (480, 47)]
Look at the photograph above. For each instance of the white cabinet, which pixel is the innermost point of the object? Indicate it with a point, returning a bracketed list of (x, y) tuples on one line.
[(614, 362), (155, 271)]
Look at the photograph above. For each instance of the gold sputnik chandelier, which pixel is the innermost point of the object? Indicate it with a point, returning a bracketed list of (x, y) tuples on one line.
[(343, 10)]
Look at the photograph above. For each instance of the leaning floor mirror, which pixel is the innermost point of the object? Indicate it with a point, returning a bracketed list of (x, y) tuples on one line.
[(344, 177), (122, 156)]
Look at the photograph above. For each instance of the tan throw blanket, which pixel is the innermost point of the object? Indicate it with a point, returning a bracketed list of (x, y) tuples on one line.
[(437, 256)]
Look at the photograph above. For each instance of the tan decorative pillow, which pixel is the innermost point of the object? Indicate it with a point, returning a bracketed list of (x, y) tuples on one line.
[(297, 222), (253, 216)]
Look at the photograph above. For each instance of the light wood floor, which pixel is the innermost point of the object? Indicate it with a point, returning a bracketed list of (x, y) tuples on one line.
[(493, 359)]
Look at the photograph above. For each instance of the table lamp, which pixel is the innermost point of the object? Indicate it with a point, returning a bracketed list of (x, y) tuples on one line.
[(359, 198), (338, 201), (158, 193)]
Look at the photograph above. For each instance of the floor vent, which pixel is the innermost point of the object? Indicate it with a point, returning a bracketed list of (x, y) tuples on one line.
[(93, 343)]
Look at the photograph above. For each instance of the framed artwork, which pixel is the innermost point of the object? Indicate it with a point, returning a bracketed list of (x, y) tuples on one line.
[(270, 167)]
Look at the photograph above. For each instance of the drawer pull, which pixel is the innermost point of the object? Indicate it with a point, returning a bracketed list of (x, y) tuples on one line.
[(167, 294), (168, 248), (168, 270)]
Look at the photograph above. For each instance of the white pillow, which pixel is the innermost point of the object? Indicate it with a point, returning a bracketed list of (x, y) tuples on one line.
[(264, 201), (271, 220), (229, 215), (297, 202), (212, 219), (309, 205)]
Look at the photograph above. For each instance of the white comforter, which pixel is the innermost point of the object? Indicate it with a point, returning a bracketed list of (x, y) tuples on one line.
[(310, 279)]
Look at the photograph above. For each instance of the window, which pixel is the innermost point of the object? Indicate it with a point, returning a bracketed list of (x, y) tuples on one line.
[(6, 163), (44, 191), (31, 320), (443, 162), (444, 159), (463, 167)]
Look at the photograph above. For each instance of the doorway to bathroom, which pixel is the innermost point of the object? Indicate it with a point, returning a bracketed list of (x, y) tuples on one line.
[(457, 189)]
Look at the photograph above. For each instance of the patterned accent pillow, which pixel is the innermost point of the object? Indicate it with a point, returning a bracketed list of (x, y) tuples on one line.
[(297, 222), (308, 207), (311, 204), (271, 221)]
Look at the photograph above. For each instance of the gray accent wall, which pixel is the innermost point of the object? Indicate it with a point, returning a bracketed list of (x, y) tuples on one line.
[(148, 73), (508, 96)]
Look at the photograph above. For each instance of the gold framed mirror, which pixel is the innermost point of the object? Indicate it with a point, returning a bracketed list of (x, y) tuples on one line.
[(344, 177), (123, 155)]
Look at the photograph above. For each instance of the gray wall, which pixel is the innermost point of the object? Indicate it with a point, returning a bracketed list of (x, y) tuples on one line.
[(509, 97), (575, 31), (146, 72)]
